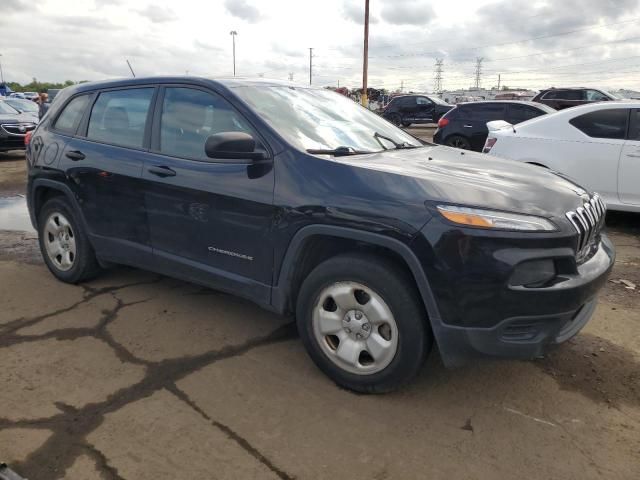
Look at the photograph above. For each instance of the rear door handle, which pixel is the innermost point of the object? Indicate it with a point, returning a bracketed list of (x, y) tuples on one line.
[(162, 171), (468, 126), (75, 155)]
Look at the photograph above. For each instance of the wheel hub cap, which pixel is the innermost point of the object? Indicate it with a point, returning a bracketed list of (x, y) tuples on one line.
[(355, 328), (356, 325)]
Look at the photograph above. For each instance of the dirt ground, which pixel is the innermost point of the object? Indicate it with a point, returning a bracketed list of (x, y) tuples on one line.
[(137, 376)]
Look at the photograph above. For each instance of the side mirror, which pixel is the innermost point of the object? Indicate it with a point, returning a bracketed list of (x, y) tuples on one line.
[(232, 146)]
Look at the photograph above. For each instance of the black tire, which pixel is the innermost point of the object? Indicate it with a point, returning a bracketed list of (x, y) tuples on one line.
[(406, 124), (396, 119), (458, 141), (84, 265), (397, 288)]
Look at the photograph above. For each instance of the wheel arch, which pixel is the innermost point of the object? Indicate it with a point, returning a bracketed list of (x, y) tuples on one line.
[(287, 280), (43, 189)]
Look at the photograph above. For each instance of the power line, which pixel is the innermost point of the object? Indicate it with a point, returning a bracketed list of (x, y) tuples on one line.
[(515, 42)]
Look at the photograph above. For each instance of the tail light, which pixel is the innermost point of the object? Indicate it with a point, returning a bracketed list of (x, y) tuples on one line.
[(27, 138), (443, 122), (488, 145)]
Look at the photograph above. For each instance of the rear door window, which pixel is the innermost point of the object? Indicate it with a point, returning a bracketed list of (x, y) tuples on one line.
[(71, 115), (610, 123), (520, 113), (489, 111), (119, 117)]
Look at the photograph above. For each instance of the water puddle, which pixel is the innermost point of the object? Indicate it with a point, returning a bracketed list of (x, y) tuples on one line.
[(14, 214)]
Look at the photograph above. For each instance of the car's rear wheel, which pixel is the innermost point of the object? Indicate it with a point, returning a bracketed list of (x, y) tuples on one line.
[(363, 323), (64, 244), (406, 124), (458, 141)]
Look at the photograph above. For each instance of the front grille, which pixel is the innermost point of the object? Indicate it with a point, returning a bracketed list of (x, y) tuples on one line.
[(18, 128), (588, 220)]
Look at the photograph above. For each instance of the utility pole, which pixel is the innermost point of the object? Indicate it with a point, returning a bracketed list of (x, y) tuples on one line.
[(365, 62), (478, 71), (438, 76), (401, 86), (310, 65), (233, 34), (498, 81), (1, 74), (291, 76)]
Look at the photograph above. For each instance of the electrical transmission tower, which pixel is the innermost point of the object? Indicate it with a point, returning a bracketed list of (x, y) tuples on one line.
[(478, 71), (438, 76)]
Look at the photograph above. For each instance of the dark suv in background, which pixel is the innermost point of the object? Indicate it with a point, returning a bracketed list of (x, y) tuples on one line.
[(560, 98), (303, 202), (407, 109), (465, 126)]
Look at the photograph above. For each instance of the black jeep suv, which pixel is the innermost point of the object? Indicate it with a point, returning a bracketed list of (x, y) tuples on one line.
[(408, 109), (304, 202)]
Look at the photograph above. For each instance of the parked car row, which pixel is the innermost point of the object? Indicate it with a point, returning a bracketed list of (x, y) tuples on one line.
[(598, 145), (465, 125)]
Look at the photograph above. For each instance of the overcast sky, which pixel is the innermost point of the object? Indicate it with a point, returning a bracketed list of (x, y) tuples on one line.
[(531, 43)]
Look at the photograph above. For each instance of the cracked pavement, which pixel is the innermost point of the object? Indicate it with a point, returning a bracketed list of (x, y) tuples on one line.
[(137, 376)]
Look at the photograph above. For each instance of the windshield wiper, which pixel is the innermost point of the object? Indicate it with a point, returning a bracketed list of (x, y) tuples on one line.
[(337, 152), (397, 145)]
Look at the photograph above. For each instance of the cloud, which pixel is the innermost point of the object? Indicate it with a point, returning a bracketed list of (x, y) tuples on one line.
[(157, 14), (407, 12), (353, 10), (11, 6), (243, 10)]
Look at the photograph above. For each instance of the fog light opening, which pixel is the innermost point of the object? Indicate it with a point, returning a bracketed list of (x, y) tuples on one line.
[(533, 274)]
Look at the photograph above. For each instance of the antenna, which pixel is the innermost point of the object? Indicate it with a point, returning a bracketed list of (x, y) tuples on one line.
[(130, 68)]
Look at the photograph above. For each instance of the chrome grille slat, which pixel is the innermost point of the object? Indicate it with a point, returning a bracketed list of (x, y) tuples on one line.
[(587, 220)]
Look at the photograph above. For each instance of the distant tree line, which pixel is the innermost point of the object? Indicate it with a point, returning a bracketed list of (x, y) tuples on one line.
[(37, 86)]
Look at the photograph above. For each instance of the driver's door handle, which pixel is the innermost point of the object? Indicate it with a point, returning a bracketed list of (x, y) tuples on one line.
[(75, 155), (162, 171)]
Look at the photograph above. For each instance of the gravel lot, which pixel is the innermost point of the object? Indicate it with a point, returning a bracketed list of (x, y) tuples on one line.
[(136, 376)]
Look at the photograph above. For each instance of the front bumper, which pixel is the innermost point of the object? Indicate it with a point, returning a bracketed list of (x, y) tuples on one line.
[(522, 322)]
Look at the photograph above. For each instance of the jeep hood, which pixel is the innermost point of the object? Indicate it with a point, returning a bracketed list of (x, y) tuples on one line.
[(449, 175)]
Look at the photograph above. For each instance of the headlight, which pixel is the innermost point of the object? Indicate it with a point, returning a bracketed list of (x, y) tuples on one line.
[(475, 217)]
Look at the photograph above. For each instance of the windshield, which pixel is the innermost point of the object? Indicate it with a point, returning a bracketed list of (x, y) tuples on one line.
[(438, 100), (23, 105), (4, 108), (615, 96), (314, 119)]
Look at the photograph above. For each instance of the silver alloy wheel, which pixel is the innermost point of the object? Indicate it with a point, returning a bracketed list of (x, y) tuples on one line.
[(60, 241), (355, 328)]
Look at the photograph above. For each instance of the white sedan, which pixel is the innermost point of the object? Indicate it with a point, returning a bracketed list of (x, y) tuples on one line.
[(598, 145)]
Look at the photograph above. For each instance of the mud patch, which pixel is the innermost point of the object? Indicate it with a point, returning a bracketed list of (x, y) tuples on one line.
[(595, 368)]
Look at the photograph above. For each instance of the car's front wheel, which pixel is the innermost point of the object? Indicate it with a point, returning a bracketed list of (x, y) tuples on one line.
[(64, 244), (363, 323)]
